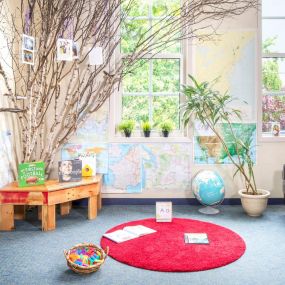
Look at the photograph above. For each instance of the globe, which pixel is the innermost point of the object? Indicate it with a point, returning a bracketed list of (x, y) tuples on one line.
[(208, 188)]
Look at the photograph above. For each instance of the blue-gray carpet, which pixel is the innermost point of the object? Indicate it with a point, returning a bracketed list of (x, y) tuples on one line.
[(29, 256)]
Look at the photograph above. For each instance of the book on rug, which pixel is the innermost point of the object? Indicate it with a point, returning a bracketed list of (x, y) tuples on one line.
[(196, 238), (128, 233)]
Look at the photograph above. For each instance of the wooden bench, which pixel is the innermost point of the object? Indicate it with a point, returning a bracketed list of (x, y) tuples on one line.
[(14, 199)]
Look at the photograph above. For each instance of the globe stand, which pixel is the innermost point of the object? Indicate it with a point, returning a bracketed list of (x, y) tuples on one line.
[(209, 210)]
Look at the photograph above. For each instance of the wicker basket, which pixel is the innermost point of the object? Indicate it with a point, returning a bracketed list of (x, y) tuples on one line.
[(82, 269)]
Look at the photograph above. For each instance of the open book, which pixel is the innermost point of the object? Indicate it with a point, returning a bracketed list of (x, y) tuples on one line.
[(128, 233), (198, 238)]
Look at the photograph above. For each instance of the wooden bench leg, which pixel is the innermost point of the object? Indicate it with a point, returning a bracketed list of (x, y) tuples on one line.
[(19, 212), (92, 207), (65, 208), (99, 201), (6, 217), (48, 217)]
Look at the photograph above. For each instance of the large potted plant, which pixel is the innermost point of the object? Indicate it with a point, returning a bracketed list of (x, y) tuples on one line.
[(211, 108)]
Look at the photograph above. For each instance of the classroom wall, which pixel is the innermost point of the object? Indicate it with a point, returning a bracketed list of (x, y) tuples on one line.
[(270, 156)]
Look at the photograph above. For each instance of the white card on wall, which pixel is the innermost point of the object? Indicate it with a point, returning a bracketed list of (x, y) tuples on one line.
[(96, 56), (163, 211)]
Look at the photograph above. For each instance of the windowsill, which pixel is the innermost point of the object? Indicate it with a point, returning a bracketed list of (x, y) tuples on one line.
[(155, 138), (271, 139)]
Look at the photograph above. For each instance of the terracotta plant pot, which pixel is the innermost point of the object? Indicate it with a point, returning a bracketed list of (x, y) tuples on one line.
[(254, 205)]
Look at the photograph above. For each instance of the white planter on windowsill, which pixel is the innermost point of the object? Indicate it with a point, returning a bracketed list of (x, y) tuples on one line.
[(254, 205)]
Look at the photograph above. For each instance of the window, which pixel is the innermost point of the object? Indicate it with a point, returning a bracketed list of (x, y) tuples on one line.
[(273, 68), (151, 90)]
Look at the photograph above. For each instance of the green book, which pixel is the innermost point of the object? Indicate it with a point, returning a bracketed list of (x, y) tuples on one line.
[(31, 174)]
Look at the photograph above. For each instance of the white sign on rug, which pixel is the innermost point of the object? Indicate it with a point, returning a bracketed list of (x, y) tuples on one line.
[(164, 211)]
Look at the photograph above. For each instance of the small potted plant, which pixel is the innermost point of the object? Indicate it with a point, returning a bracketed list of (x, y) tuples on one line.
[(166, 127), (126, 127), (146, 127), (211, 108)]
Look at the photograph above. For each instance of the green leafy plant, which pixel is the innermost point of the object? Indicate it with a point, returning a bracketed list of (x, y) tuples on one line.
[(146, 127), (166, 127), (211, 108), (127, 127)]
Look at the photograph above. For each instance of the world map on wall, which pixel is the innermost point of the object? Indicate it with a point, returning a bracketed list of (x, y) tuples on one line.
[(72, 151), (209, 150), (166, 166), (230, 58), (124, 173), (134, 168), (94, 129)]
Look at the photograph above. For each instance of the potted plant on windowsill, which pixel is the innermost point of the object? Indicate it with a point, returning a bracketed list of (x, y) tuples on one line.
[(166, 127), (126, 127), (211, 108), (146, 127)]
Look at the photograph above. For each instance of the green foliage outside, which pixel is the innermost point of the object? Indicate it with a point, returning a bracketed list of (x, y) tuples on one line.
[(273, 106), (270, 68), (140, 85)]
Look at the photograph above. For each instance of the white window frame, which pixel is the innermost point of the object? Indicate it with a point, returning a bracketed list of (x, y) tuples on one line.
[(261, 93), (180, 135)]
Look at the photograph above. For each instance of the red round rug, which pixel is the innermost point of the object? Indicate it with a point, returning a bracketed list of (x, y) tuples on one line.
[(165, 250)]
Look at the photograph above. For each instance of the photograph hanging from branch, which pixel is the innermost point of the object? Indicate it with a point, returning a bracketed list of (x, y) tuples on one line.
[(28, 57), (28, 43), (75, 50), (28, 48), (64, 50)]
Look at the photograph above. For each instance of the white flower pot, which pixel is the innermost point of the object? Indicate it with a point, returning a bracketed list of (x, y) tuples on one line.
[(254, 205)]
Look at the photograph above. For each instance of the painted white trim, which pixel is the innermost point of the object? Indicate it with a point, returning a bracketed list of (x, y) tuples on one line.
[(260, 55)]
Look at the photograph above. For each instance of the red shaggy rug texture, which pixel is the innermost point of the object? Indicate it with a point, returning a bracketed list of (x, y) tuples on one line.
[(166, 251)]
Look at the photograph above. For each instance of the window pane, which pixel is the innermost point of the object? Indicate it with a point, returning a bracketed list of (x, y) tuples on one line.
[(274, 30), (273, 74), (166, 75), (273, 112), (138, 79), (166, 108), (273, 8), (162, 7), (137, 8), (167, 45), (135, 108), (133, 33)]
